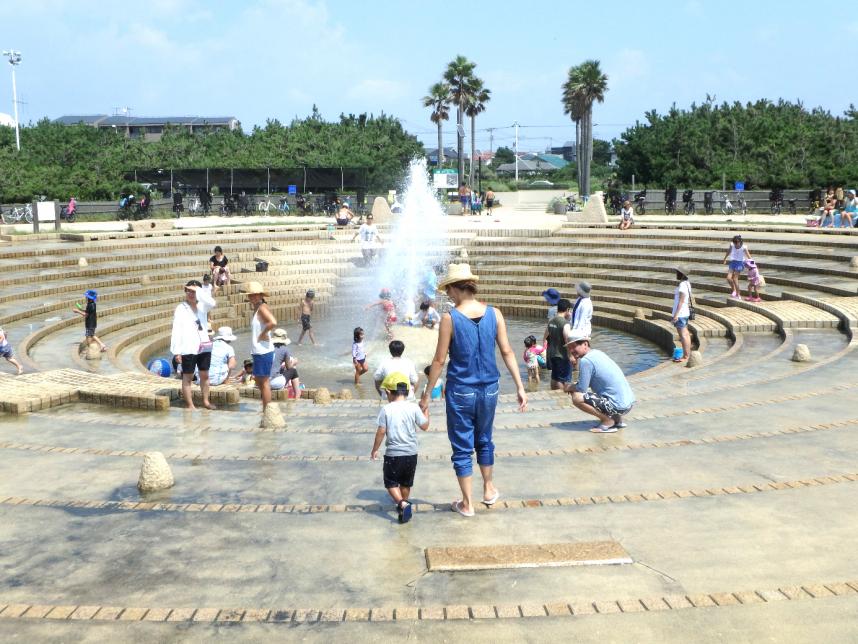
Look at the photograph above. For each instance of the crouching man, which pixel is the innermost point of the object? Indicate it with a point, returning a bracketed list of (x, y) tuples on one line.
[(602, 390)]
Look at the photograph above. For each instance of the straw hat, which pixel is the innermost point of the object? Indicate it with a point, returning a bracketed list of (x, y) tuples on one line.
[(254, 288), (457, 273), (680, 268), (280, 336)]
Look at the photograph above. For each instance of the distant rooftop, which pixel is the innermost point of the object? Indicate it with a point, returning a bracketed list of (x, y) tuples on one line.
[(105, 120)]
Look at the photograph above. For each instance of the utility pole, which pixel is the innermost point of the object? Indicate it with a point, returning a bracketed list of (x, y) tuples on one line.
[(491, 131), (516, 150), (14, 60)]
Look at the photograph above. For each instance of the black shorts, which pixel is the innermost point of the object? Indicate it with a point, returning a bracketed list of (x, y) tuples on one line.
[(201, 361), (561, 369), (289, 373), (604, 405), (305, 322), (399, 471), (89, 331)]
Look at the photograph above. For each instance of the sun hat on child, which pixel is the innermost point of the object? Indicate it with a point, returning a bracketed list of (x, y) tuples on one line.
[(393, 381), (551, 295), (254, 288), (280, 336), (91, 294), (225, 333), (457, 273)]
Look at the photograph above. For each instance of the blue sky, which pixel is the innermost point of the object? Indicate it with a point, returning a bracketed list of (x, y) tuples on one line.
[(276, 58)]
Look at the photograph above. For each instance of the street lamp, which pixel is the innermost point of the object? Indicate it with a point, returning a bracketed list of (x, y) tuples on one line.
[(14, 59)]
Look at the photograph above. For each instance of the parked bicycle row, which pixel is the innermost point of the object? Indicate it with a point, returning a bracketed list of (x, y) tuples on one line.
[(725, 202)]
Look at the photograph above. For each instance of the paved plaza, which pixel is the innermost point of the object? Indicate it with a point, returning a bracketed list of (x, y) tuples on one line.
[(723, 512)]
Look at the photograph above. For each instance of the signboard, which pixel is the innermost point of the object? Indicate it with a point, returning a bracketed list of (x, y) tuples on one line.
[(444, 179), (46, 210), (740, 185), (293, 189)]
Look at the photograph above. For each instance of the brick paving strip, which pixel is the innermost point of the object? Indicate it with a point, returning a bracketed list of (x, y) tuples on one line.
[(184, 456), (560, 608), (512, 504)]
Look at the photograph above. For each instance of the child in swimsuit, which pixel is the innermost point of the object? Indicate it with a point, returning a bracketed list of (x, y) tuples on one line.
[(359, 354), (755, 281), (533, 358), (389, 310)]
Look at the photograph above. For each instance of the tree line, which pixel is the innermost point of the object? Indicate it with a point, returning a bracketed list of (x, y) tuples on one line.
[(60, 160), (765, 144)]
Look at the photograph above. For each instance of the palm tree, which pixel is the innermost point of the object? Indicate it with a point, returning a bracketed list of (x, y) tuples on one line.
[(458, 76), (587, 84), (572, 107), (478, 96), (438, 99)]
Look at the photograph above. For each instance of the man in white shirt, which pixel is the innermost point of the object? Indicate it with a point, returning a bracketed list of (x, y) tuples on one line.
[(369, 239), (396, 364)]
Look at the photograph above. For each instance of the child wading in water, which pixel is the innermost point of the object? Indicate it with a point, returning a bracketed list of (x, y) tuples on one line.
[(755, 281), (398, 421), (533, 358), (6, 352), (359, 355), (388, 309), (737, 254), (90, 319), (306, 308)]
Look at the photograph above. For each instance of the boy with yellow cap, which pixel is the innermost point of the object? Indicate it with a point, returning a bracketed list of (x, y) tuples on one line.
[(398, 421)]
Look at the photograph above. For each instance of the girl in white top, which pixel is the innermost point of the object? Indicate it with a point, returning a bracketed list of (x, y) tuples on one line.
[(189, 341), (737, 253), (681, 311), (582, 312), (261, 346), (627, 215)]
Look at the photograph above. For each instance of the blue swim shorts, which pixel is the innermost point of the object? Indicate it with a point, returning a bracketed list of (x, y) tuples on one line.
[(262, 364)]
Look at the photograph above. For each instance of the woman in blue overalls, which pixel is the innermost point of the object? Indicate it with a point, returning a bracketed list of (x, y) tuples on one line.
[(469, 334)]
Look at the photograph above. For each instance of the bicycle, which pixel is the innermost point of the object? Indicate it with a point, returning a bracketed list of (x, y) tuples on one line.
[(265, 206), (726, 204), (815, 199), (776, 201), (688, 200), (741, 204), (18, 213), (791, 207), (640, 203), (670, 201), (708, 203), (194, 206)]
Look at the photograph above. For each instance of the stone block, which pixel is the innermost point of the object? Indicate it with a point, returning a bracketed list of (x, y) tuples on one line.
[(155, 474), (381, 211), (272, 418), (695, 359), (801, 353), (322, 397), (345, 394), (147, 225), (82, 263)]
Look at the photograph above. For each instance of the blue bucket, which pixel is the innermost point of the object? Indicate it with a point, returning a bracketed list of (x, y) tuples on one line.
[(677, 353)]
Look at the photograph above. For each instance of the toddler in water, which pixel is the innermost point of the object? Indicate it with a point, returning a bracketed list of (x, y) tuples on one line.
[(359, 354), (755, 281), (533, 358), (439, 391), (388, 309)]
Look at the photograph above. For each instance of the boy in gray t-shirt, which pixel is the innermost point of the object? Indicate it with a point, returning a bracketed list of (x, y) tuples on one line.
[(398, 421)]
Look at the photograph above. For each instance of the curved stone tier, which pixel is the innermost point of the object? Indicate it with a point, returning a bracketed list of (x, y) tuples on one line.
[(730, 490)]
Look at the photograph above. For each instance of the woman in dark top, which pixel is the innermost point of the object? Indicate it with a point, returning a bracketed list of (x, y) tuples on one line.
[(220, 271), (469, 334)]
